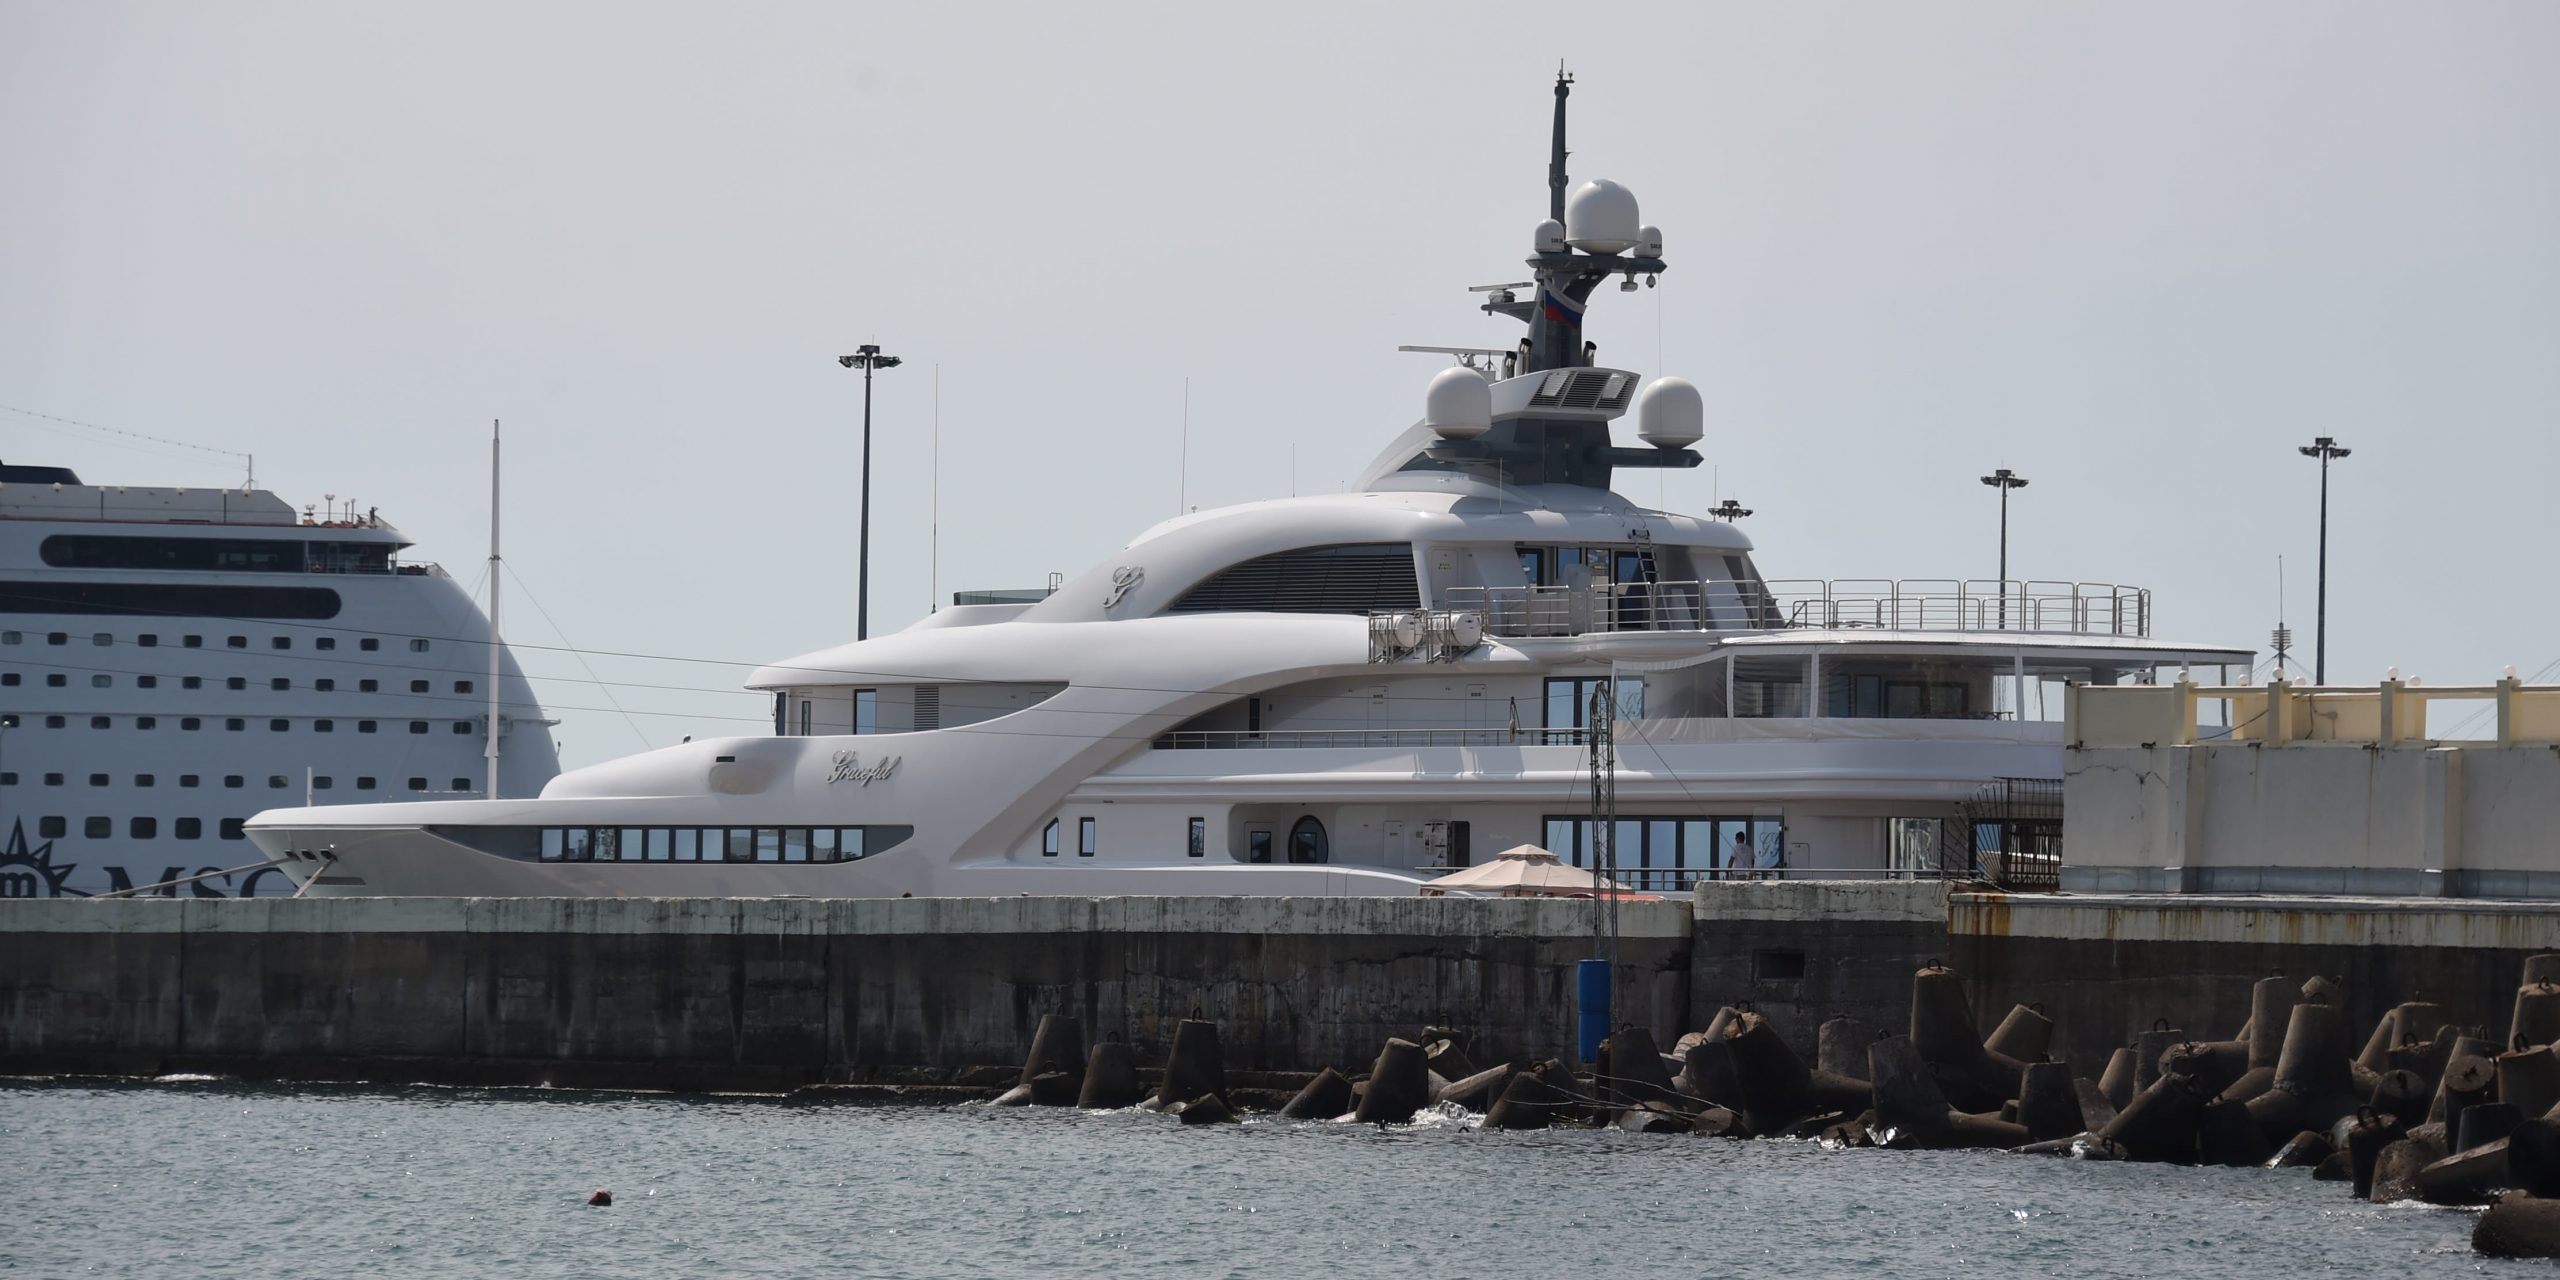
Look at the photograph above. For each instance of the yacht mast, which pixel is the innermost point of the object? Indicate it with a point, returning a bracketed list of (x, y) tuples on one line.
[(495, 567)]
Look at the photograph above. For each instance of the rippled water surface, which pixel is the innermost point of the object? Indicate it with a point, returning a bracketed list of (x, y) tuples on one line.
[(206, 1179)]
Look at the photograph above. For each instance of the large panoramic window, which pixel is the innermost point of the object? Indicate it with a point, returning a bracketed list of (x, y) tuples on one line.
[(168, 599), (679, 844), (1366, 577)]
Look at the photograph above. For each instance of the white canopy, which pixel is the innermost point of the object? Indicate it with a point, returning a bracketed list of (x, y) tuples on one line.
[(1521, 871)]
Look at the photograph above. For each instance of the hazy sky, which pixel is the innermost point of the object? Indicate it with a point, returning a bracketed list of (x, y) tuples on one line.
[(2136, 252)]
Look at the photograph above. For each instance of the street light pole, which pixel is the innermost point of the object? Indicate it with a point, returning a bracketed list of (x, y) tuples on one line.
[(2324, 448), (2004, 480), (867, 358)]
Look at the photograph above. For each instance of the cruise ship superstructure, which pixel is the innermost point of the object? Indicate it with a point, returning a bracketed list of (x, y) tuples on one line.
[(174, 660), (1349, 693)]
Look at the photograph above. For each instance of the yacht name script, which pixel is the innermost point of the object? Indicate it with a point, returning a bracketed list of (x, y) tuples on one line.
[(847, 767)]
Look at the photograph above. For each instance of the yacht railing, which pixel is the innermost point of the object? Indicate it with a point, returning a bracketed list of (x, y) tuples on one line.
[(1266, 739), (1935, 604)]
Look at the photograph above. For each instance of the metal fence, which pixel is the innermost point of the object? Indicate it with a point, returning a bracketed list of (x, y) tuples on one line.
[(1934, 604)]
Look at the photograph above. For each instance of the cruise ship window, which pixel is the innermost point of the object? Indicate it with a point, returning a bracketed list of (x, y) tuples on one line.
[(52, 828), (322, 782), (236, 682), (368, 686), (462, 686), (234, 781), (417, 646), (8, 779), (97, 828), (238, 642), (102, 639), (462, 726), (276, 782), (281, 642), (191, 682), (54, 722), (145, 779), (147, 682), (280, 683), (364, 784), (278, 726), (146, 722), (323, 726), (462, 784), (325, 642), (11, 637), (191, 724), (1084, 837), (364, 726), (97, 779), (193, 642), (100, 722), (147, 640), (188, 829), (102, 681), (1049, 839), (188, 779), (231, 829), (53, 779), (57, 637), (1199, 842), (143, 829), (417, 686), (325, 685), (234, 724), (417, 726), (417, 784), (8, 679), (56, 680), (368, 644)]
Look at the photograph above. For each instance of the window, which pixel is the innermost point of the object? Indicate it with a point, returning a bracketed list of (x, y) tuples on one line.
[(325, 685), (56, 680), (11, 637), (188, 829), (1356, 578), (52, 828), (325, 642), (145, 779), (191, 682), (1049, 839), (231, 829), (417, 726), (417, 646), (866, 711), (364, 726), (147, 640), (364, 784), (53, 779), (147, 682), (278, 726), (97, 779), (1198, 845), (322, 782), (102, 639), (417, 686), (101, 722), (55, 722), (368, 644), (462, 784), (194, 642), (143, 829), (417, 784), (238, 642), (281, 642), (462, 726), (146, 722), (323, 726), (102, 682), (98, 828), (280, 684), (191, 724), (1084, 837), (57, 637), (1307, 841), (188, 780), (277, 782), (462, 686), (368, 686), (236, 682), (8, 779), (1257, 846), (234, 781), (8, 679)]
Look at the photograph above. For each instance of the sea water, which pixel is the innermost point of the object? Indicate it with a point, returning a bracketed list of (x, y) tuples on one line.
[(191, 1178)]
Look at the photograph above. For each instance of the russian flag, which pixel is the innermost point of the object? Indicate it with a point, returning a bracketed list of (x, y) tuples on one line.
[(1560, 309)]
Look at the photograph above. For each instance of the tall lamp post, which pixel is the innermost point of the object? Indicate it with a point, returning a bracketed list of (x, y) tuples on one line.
[(2004, 480), (2324, 448), (867, 358)]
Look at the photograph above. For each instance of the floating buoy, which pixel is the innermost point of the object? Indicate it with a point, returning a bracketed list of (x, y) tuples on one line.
[(602, 1199)]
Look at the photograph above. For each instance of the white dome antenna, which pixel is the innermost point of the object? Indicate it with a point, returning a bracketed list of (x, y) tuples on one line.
[(1601, 218), (1458, 405), (1550, 237), (1671, 414)]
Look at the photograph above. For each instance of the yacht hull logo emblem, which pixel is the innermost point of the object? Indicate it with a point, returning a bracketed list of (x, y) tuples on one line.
[(1122, 578), (848, 767)]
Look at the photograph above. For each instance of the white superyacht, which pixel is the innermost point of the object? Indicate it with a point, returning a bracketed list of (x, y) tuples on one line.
[(173, 660), (1350, 693)]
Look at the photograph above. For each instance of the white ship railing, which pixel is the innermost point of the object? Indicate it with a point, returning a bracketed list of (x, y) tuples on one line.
[(1267, 739), (1935, 604)]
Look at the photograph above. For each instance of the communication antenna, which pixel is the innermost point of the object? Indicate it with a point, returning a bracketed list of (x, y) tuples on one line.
[(1182, 481), (2282, 641)]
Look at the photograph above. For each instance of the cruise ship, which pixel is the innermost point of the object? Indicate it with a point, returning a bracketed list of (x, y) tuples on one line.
[(173, 661), (1481, 645)]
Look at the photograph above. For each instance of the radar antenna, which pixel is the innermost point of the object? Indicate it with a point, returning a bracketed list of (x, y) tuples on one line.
[(1555, 165)]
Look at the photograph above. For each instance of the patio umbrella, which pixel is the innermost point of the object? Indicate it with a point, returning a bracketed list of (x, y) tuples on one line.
[(1523, 871)]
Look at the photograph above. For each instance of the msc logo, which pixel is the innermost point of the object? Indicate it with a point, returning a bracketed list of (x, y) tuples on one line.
[(25, 874)]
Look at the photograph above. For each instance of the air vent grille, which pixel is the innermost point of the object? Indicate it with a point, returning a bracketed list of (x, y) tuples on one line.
[(1357, 578), (1583, 389), (928, 707)]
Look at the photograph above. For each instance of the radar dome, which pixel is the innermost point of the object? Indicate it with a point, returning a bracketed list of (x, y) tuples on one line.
[(1550, 237), (1671, 414), (1649, 242), (1600, 217), (1459, 404)]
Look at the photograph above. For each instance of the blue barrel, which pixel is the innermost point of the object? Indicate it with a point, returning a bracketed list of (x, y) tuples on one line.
[(1591, 988)]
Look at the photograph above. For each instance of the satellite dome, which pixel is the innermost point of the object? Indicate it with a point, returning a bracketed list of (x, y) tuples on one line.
[(1671, 414), (1600, 217), (1458, 405), (1550, 237)]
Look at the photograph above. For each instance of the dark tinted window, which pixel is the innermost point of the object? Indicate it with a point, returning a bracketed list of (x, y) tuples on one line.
[(161, 599), (1357, 578)]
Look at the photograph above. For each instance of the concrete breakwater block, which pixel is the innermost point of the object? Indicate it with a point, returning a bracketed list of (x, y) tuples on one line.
[(1840, 1047), (1530, 1101), (1973, 1078), (1398, 1085), (2116, 1081), (1194, 1064), (2304, 1150), (2314, 1082), (2162, 1124), (2026, 1035), (1477, 1092), (1326, 1096), (1205, 1109), (2396, 1169), (2049, 1102), (2519, 1225)]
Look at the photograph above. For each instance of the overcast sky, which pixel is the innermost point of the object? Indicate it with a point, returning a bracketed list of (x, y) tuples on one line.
[(2137, 253)]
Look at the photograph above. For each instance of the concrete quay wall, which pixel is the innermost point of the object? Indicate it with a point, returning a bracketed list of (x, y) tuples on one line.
[(771, 993)]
